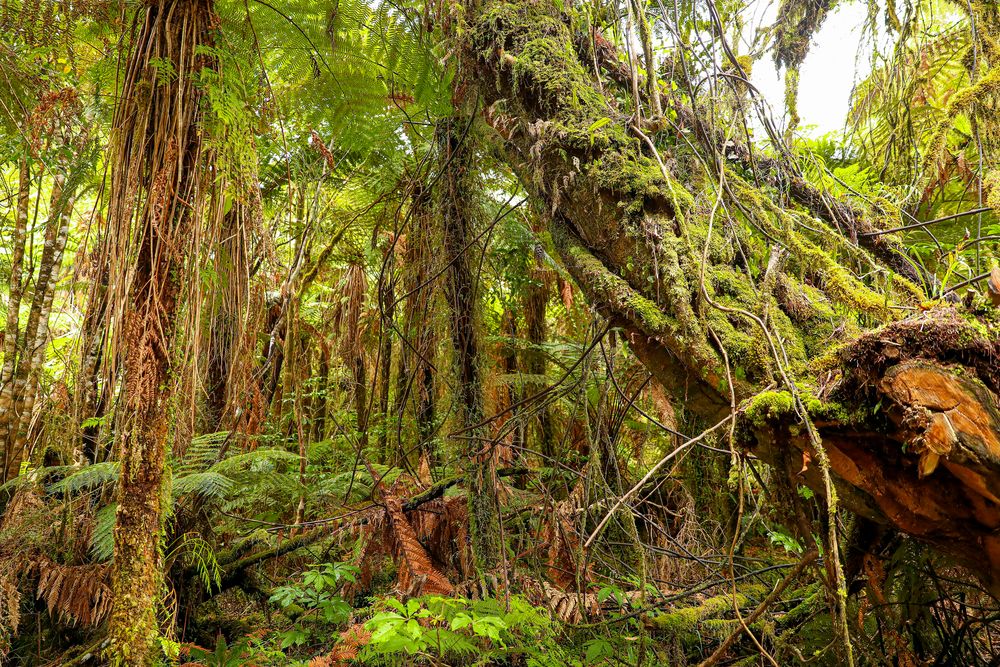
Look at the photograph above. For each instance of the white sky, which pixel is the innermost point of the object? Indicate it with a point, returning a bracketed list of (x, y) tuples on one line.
[(828, 73)]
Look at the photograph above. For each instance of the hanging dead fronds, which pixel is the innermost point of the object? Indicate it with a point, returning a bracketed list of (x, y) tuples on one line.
[(156, 209), (564, 562), (442, 525), (74, 594), (417, 574), (347, 314)]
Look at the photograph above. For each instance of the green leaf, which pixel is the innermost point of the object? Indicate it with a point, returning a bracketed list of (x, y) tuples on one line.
[(461, 621), (598, 649), (88, 477), (595, 126)]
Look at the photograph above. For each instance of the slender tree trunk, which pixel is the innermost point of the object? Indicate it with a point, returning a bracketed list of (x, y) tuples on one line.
[(360, 375), (91, 401), (28, 350), (387, 297), (156, 200), (536, 300), (321, 402), (37, 330), (508, 357), (12, 329), (454, 207)]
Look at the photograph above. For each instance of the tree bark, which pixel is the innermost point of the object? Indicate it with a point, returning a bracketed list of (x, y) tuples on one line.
[(536, 300), (12, 329), (19, 377), (684, 270), (155, 204), (454, 208), (36, 333), (387, 305)]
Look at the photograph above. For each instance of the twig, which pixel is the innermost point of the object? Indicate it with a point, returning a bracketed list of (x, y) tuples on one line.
[(807, 560), (926, 223), (652, 471)]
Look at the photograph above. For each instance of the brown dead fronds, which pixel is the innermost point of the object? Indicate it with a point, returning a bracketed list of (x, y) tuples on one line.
[(417, 574), (74, 594)]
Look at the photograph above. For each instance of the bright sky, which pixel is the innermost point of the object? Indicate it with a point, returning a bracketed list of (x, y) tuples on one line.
[(828, 73)]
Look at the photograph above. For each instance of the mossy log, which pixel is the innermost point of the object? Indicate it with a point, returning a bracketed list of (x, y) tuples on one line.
[(686, 621), (722, 292)]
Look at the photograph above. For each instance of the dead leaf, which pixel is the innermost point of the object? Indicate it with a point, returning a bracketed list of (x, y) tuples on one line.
[(806, 460), (993, 285)]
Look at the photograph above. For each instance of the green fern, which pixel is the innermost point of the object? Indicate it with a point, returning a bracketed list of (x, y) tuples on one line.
[(193, 550), (102, 539), (87, 478), (207, 485)]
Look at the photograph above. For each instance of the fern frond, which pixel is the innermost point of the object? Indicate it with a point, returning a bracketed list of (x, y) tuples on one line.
[(195, 551), (102, 539), (208, 485), (87, 478), (256, 460), (202, 452)]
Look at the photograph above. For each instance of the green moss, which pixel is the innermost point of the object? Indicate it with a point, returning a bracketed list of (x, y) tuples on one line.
[(544, 66), (837, 282), (693, 619), (638, 183), (769, 406), (615, 290), (537, 45), (832, 411)]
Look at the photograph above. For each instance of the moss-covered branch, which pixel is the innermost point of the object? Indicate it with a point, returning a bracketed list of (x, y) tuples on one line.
[(679, 253)]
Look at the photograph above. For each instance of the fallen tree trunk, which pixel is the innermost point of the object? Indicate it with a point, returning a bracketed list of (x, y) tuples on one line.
[(728, 297)]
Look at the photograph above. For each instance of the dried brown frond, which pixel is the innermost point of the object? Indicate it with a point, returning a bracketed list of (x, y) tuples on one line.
[(566, 293), (561, 538), (424, 470), (74, 594), (571, 606), (375, 550), (417, 574), (10, 613), (353, 287), (352, 640), (442, 525)]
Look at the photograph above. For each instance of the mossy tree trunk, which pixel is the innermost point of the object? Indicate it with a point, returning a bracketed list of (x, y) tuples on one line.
[(418, 340), (387, 308), (456, 212), (24, 351), (536, 300), (12, 328), (722, 292), (156, 197)]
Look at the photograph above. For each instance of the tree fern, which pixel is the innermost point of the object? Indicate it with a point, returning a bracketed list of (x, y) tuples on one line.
[(194, 551), (207, 485), (201, 453), (102, 539), (87, 478)]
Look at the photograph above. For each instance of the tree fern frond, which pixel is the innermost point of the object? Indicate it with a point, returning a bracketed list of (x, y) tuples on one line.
[(256, 460), (208, 485), (87, 478), (359, 483), (202, 452), (193, 550), (102, 539)]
